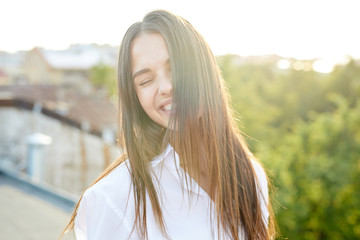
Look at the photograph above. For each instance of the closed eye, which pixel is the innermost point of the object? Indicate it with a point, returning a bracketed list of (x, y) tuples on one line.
[(145, 82)]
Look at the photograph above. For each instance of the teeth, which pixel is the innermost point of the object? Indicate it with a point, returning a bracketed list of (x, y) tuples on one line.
[(167, 107)]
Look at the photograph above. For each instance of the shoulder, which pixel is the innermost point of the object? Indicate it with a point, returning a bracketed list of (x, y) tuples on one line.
[(262, 185), (102, 209), (118, 179), (114, 189), (260, 174)]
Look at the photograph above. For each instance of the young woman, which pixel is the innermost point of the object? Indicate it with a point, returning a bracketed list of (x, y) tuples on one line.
[(186, 172)]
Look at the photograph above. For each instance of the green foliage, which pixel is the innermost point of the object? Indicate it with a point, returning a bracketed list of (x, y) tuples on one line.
[(104, 77), (307, 131), (316, 168), (345, 80)]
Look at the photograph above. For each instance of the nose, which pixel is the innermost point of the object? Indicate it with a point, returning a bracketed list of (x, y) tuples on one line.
[(165, 84)]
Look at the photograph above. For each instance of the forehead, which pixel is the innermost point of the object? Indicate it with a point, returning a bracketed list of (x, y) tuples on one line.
[(148, 46), (145, 40)]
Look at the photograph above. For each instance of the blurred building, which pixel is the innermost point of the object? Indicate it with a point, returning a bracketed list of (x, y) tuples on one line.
[(82, 130), (4, 78), (69, 67), (11, 67)]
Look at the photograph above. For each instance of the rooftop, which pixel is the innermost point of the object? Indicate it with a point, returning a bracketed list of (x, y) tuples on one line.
[(31, 212), (97, 113)]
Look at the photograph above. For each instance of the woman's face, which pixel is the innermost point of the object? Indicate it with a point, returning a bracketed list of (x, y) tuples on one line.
[(151, 73)]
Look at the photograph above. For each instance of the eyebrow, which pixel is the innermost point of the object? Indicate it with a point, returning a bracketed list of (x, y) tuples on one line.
[(145, 70), (142, 71)]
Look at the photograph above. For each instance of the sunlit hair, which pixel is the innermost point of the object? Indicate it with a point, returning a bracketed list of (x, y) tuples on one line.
[(206, 137)]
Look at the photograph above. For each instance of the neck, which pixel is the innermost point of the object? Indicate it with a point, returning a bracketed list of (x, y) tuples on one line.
[(198, 169)]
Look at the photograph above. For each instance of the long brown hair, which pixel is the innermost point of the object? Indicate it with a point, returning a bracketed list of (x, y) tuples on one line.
[(202, 116)]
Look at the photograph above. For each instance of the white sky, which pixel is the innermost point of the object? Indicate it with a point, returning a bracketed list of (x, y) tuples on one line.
[(302, 29)]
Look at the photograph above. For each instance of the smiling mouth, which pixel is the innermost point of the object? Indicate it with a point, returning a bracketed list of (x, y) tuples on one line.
[(167, 107)]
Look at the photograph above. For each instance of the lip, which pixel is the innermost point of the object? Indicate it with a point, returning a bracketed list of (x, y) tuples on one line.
[(164, 103)]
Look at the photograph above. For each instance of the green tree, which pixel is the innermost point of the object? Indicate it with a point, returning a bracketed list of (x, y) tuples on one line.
[(345, 81), (104, 77), (308, 141), (316, 169)]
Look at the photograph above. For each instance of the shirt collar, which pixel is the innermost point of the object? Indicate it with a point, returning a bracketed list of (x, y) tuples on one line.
[(162, 156), (172, 161)]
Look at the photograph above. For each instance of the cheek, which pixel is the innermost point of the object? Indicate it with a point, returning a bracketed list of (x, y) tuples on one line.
[(146, 99)]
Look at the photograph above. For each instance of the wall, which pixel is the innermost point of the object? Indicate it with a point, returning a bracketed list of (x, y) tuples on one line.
[(72, 161)]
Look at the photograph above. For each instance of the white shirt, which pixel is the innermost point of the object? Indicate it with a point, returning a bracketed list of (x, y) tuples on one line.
[(107, 209)]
